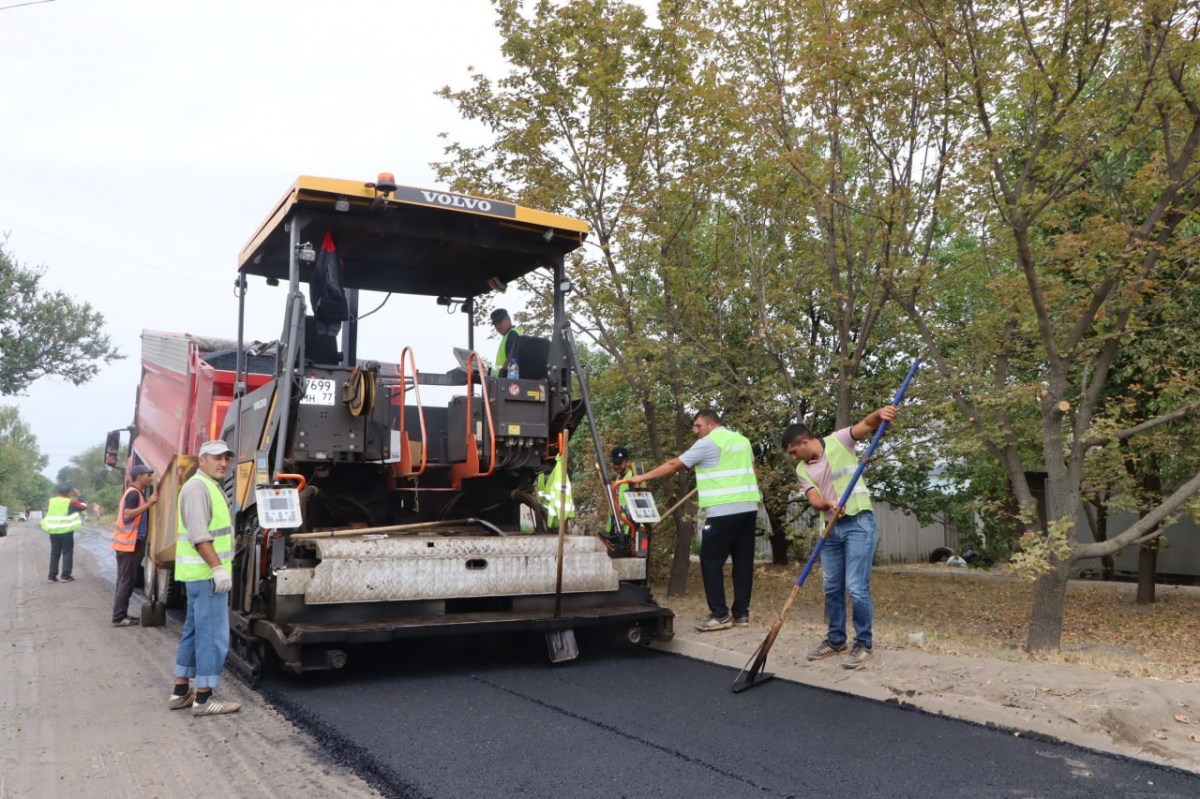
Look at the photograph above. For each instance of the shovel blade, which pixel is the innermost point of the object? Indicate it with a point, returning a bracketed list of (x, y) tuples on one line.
[(562, 645), (747, 680)]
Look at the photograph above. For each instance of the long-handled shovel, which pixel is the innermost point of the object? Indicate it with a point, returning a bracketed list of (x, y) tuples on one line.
[(752, 673)]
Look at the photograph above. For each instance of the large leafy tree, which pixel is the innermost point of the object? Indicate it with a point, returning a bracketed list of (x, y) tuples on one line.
[(590, 121), (45, 333), (1080, 177), (96, 482), (21, 483)]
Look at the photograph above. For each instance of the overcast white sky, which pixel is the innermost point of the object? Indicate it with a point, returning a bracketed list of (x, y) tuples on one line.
[(143, 142)]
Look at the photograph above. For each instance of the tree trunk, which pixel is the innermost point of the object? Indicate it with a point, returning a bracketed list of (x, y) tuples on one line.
[(1147, 571), (1148, 552), (685, 529), (1098, 522), (1049, 604), (779, 540)]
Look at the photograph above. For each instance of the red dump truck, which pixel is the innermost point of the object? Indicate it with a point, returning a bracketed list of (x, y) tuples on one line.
[(186, 386)]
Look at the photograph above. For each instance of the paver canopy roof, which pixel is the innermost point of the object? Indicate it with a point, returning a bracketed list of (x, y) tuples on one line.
[(420, 241)]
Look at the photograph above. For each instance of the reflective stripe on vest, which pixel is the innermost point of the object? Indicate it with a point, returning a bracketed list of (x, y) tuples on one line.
[(189, 566), (732, 479), (124, 538), (842, 465), (502, 353), (59, 519), (549, 487)]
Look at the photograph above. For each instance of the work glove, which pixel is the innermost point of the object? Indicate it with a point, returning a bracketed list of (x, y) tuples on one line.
[(222, 580)]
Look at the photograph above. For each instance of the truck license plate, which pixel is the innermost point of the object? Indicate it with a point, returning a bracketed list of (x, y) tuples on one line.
[(317, 392)]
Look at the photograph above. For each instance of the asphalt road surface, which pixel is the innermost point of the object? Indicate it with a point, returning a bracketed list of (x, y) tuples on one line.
[(495, 719)]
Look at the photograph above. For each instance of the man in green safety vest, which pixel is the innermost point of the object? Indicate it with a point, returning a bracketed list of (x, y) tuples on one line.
[(825, 467), (509, 336), (549, 488), (203, 554), (727, 490), (61, 521)]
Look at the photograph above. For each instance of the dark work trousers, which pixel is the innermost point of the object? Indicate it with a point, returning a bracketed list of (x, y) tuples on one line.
[(62, 545), (128, 564), (724, 536)]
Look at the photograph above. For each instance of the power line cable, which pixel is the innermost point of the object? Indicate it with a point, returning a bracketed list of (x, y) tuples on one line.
[(107, 252)]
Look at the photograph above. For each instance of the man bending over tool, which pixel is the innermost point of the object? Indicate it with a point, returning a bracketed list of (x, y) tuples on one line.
[(825, 467), (727, 488)]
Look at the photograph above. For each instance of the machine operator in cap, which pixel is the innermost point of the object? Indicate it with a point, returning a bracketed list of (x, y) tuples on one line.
[(509, 336)]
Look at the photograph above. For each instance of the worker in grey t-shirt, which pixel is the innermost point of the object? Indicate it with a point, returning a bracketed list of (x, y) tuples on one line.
[(727, 487)]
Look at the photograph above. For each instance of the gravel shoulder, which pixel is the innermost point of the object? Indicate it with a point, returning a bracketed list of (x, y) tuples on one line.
[(84, 704)]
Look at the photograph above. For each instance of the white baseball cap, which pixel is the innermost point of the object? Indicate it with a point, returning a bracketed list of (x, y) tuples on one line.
[(216, 448)]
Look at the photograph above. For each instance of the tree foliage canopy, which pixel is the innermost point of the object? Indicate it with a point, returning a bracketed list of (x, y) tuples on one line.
[(44, 333), (21, 483), (788, 200)]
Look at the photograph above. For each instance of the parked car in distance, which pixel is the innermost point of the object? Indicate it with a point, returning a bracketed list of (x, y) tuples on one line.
[(3, 520)]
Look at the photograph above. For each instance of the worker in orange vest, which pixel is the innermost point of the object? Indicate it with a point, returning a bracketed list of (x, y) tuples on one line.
[(129, 539)]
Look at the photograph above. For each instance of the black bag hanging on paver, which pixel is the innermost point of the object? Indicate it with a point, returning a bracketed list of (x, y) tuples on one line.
[(325, 288)]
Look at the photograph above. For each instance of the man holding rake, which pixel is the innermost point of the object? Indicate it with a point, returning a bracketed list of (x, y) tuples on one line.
[(825, 467)]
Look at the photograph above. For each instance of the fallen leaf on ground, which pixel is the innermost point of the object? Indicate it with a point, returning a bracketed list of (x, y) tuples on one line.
[(1182, 719), (1194, 737), (1160, 735)]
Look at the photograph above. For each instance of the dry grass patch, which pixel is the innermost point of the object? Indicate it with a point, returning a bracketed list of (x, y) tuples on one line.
[(980, 614)]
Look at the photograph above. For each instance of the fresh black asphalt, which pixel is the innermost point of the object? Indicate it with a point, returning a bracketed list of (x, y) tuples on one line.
[(494, 719)]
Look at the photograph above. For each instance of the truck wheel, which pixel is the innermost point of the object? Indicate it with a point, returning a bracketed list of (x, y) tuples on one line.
[(170, 591)]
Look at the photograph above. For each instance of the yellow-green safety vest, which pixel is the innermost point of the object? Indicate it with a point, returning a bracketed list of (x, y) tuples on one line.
[(732, 479), (59, 519), (502, 353), (632, 471), (842, 464), (548, 488), (189, 566)]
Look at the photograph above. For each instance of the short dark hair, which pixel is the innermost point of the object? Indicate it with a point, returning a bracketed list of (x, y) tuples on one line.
[(796, 432), (708, 414), (499, 315)]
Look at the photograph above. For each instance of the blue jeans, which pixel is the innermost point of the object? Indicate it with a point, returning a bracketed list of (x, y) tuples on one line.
[(846, 562), (205, 641)]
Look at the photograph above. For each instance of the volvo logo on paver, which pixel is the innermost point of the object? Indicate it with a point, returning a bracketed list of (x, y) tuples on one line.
[(448, 200), (260, 404)]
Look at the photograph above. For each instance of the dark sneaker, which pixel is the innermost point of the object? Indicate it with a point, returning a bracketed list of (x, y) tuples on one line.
[(712, 624), (54, 579), (68, 579), (859, 655), (125, 622), (741, 621), (825, 649)]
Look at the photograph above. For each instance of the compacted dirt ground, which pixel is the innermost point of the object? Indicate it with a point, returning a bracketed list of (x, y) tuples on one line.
[(951, 641), (83, 705)]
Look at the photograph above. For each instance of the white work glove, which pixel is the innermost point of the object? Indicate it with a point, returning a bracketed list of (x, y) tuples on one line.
[(222, 580)]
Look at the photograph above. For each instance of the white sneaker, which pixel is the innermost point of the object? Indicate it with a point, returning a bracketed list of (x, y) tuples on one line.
[(215, 707)]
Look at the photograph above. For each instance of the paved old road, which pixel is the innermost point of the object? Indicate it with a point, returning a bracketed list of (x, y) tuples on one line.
[(494, 719)]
